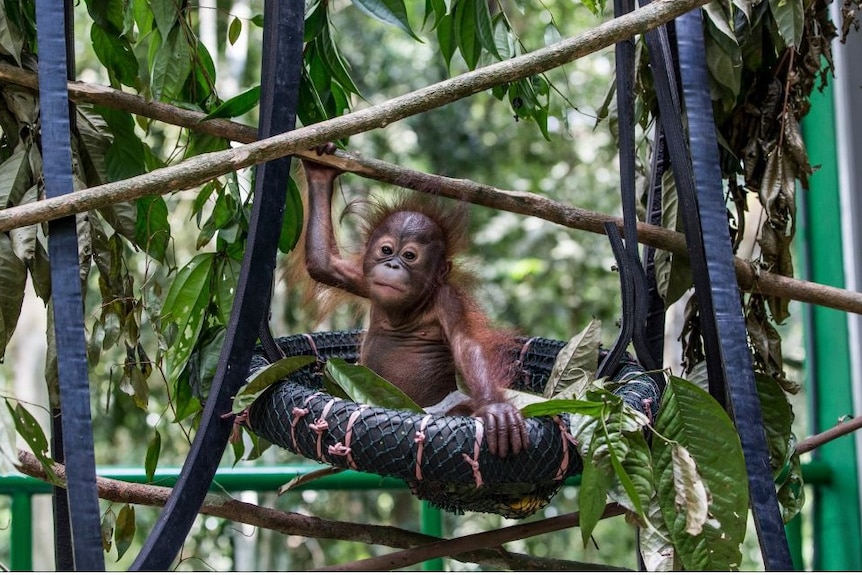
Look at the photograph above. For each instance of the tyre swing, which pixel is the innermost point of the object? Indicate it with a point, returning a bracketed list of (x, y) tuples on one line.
[(443, 459)]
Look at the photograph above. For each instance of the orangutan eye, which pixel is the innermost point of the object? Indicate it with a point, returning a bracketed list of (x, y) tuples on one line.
[(386, 250), (409, 256)]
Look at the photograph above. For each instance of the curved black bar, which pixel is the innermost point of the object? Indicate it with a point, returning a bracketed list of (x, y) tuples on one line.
[(81, 508), (284, 22)]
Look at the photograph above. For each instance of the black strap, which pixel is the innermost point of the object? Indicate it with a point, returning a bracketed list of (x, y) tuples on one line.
[(608, 365), (280, 75), (731, 375), (76, 445), (64, 556), (271, 350), (633, 282), (655, 320)]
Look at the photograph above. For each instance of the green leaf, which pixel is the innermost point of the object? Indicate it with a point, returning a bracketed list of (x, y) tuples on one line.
[(446, 38), (238, 105), (336, 66), (724, 60), (124, 532), (185, 402), (107, 13), (392, 12), (790, 17), (504, 39), (721, 21), (592, 497), (11, 39), (29, 429), (13, 278), (8, 448), (485, 28), (166, 14), (94, 143), (673, 272), (777, 420), (692, 418), (125, 157), (364, 386), (109, 519), (151, 460), (15, 176), (291, 224), (234, 30), (791, 492), (227, 278), (115, 53), (185, 305), (466, 35), (637, 480), (558, 406), (171, 66), (575, 363), (595, 6), (152, 228), (122, 216), (31, 432), (25, 239), (135, 384), (269, 374), (204, 360)]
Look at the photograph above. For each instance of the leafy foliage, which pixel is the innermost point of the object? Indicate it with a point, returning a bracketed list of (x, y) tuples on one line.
[(700, 478), (160, 308)]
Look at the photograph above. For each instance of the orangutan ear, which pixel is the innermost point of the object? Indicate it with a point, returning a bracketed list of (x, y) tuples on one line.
[(445, 269)]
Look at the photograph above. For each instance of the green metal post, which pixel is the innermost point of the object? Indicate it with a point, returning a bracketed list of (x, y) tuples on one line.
[(836, 505), (21, 533), (794, 541), (432, 524)]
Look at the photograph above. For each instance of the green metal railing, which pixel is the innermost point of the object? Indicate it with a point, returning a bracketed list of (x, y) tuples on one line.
[(22, 488)]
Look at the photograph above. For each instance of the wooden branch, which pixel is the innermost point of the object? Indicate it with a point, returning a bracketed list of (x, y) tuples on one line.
[(815, 441), (408, 557), (205, 167), (749, 277), (297, 524)]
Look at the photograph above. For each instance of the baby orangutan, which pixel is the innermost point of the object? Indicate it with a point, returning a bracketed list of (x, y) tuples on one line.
[(424, 328)]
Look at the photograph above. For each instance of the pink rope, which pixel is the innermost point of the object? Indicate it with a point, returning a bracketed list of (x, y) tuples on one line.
[(339, 449), (567, 438), (419, 438), (298, 413), (474, 461), (647, 403), (349, 434), (319, 427)]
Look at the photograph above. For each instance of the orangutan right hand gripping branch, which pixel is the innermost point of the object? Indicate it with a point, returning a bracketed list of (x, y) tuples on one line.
[(424, 328)]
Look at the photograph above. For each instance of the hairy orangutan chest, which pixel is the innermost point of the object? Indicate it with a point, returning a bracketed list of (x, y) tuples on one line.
[(416, 358)]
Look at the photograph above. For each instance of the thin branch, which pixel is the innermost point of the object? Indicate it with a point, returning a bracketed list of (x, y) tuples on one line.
[(415, 555), (750, 278), (297, 524), (815, 441), (205, 167)]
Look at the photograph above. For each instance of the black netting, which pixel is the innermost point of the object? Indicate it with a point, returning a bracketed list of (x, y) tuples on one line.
[(297, 415)]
